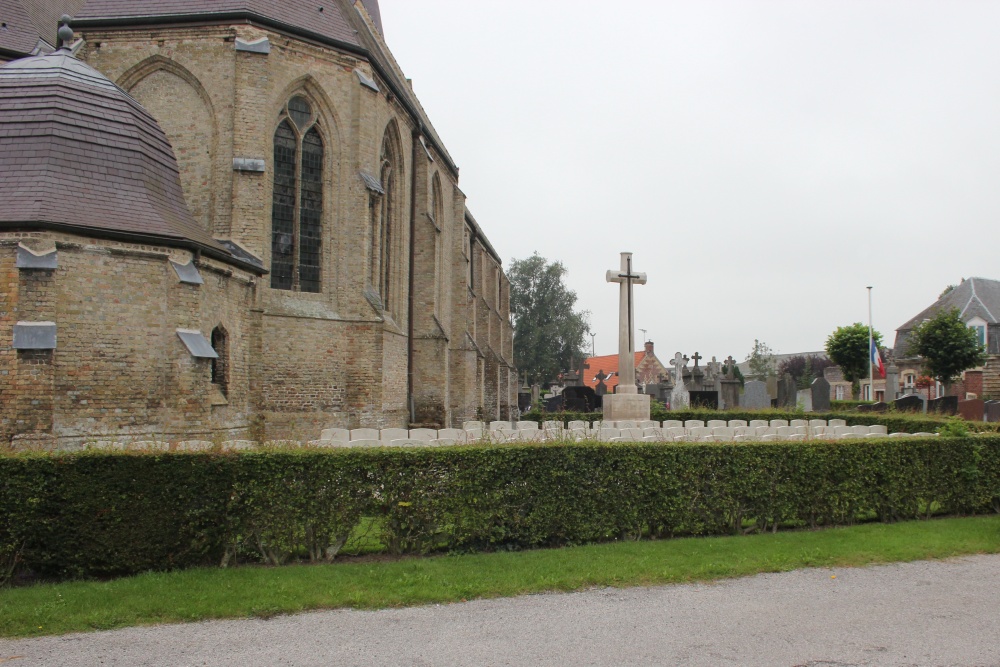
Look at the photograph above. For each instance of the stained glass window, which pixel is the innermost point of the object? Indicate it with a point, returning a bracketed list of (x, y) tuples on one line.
[(297, 204), (283, 208)]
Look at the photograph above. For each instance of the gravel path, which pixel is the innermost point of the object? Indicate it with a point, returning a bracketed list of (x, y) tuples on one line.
[(928, 614)]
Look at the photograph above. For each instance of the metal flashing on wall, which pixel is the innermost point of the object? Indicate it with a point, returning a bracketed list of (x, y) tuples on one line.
[(187, 273), (423, 142), (372, 183), (31, 259), (35, 336), (241, 253), (197, 344), (367, 81), (262, 45), (248, 164)]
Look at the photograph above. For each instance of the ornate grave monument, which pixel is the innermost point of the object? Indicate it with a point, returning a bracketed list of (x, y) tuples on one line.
[(680, 399), (627, 403), (729, 393)]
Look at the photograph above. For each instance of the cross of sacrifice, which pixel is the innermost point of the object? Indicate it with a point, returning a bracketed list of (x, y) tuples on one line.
[(626, 322)]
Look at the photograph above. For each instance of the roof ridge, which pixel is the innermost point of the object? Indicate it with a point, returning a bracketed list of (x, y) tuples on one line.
[(981, 302)]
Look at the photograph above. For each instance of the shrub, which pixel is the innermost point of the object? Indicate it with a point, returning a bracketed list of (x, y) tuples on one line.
[(107, 514)]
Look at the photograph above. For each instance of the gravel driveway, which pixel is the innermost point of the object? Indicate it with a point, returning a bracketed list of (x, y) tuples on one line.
[(927, 613)]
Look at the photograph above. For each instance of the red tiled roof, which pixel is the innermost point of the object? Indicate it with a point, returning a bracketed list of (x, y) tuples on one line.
[(78, 152), (608, 364)]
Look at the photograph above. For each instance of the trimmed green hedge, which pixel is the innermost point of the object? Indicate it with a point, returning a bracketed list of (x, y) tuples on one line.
[(895, 422), (847, 405), (107, 514)]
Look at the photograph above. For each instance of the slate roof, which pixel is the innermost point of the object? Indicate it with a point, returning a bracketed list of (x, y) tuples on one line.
[(24, 22), (79, 153), (973, 297), (323, 18), (339, 22), (609, 364)]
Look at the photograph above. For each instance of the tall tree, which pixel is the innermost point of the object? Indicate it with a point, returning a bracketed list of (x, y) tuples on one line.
[(761, 360), (548, 333), (848, 347), (947, 345), (804, 369)]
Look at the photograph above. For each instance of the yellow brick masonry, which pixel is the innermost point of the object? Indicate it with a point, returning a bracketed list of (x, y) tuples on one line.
[(299, 362)]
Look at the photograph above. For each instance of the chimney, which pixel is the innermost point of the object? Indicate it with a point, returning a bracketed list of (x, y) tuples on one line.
[(649, 348)]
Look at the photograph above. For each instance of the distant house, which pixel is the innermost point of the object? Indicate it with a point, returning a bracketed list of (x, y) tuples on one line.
[(648, 369), (978, 303)]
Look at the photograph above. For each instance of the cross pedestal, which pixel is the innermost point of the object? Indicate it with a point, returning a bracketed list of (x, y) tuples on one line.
[(627, 402)]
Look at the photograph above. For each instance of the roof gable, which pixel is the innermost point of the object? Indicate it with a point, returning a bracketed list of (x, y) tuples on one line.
[(973, 297)]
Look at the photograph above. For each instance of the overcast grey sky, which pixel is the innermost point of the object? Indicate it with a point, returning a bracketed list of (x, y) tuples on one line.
[(765, 161)]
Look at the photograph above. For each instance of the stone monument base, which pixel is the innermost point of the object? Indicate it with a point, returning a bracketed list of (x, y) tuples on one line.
[(626, 406)]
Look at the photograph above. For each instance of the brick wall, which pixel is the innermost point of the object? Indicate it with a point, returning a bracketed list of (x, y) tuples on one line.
[(299, 361), (119, 369)]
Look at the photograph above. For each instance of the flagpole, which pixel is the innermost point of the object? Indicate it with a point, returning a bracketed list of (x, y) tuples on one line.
[(871, 340)]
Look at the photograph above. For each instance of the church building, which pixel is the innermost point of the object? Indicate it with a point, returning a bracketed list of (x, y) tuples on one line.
[(228, 219)]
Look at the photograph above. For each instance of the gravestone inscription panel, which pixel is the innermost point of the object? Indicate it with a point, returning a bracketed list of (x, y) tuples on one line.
[(973, 410), (820, 395), (945, 405), (755, 396), (786, 391), (910, 403)]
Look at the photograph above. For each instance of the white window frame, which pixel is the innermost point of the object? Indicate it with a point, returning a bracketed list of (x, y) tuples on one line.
[(979, 324)]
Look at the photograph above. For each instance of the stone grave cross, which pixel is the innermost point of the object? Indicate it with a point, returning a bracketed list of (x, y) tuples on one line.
[(730, 366), (626, 322), (679, 362), (697, 357)]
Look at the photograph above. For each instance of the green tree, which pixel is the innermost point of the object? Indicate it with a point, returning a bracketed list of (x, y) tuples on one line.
[(548, 333), (738, 374), (848, 347), (947, 346), (804, 369), (761, 360)]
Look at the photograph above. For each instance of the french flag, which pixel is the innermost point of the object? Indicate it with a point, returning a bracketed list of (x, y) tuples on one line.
[(876, 358)]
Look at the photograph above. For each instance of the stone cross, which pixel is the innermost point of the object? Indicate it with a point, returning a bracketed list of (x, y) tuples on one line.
[(626, 322), (679, 362), (697, 357), (730, 368)]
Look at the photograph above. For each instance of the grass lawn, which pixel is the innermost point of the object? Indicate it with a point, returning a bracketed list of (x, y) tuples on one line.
[(261, 591)]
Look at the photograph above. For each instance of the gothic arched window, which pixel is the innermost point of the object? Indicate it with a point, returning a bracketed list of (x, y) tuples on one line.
[(386, 233), (297, 204), (388, 177), (437, 212)]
